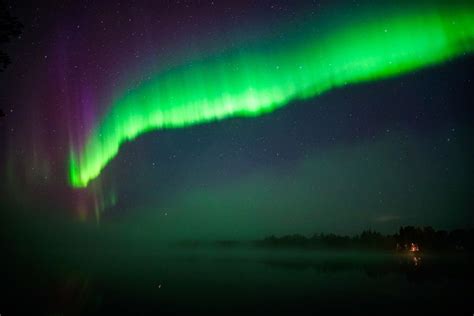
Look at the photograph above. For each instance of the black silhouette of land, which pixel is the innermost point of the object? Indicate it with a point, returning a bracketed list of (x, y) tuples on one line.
[(10, 28), (408, 238)]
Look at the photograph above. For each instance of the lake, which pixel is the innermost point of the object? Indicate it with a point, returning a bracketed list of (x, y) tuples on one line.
[(237, 280)]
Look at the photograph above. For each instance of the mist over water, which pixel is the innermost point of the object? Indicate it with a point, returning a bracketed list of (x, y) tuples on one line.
[(237, 157), (79, 270)]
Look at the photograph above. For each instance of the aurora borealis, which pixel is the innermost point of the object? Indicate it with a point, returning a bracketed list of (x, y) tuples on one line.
[(268, 117), (254, 83), (237, 156)]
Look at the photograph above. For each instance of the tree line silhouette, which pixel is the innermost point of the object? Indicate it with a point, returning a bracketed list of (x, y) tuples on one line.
[(426, 238), (10, 27)]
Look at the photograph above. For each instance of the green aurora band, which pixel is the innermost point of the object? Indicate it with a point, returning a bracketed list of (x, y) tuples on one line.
[(252, 83)]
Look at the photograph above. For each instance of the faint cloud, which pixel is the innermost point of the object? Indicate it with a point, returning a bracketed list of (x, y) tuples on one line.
[(387, 218)]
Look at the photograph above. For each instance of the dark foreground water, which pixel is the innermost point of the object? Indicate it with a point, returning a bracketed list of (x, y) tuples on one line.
[(241, 281)]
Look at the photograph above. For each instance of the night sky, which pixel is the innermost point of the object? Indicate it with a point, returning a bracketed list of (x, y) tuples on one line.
[(378, 154)]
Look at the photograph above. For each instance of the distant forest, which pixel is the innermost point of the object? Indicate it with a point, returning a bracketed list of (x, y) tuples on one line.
[(425, 238), (406, 239)]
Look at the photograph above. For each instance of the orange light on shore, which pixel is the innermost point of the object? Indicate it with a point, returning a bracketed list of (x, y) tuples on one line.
[(414, 247)]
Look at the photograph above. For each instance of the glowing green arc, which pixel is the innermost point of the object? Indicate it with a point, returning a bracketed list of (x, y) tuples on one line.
[(251, 84)]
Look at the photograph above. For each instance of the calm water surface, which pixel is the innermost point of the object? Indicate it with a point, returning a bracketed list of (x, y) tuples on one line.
[(239, 281)]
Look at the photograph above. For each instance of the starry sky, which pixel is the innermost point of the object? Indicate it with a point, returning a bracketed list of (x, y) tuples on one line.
[(378, 154)]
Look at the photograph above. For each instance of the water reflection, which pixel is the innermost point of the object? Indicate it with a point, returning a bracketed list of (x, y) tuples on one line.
[(187, 280), (416, 261)]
